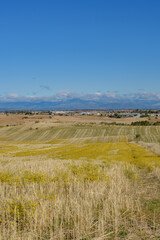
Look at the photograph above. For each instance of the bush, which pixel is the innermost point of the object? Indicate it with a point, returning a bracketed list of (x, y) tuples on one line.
[(138, 136), (141, 123)]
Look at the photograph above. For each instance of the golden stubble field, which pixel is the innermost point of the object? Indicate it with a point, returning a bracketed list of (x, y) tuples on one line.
[(80, 180)]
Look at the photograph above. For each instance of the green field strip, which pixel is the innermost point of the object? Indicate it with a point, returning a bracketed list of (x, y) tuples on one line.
[(28, 134)]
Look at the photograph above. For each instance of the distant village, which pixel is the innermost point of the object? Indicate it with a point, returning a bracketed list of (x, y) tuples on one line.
[(110, 114)]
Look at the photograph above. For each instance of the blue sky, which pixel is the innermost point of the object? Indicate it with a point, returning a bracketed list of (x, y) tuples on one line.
[(82, 46)]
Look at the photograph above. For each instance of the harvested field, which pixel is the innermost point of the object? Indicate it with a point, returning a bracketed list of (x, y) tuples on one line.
[(49, 132), (15, 119)]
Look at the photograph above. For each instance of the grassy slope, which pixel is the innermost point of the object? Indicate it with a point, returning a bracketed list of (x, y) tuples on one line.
[(78, 182), (45, 134)]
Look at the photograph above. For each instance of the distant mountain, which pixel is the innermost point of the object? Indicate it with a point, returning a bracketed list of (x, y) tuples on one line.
[(77, 103)]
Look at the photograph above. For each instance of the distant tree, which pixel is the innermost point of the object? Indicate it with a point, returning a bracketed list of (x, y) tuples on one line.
[(141, 123)]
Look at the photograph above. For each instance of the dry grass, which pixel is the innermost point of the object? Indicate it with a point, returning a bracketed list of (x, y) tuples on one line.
[(78, 188), (13, 119), (77, 200), (154, 147)]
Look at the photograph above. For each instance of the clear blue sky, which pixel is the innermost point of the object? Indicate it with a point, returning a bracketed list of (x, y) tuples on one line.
[(82, 46)]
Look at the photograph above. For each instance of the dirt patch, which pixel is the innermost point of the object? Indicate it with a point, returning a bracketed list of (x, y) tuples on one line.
[(15, 119)]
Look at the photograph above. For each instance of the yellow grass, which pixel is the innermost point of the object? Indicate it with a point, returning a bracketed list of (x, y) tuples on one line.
[(63, 189)]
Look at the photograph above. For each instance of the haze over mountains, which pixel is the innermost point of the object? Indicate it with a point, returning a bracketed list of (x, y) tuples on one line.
[(66, 100)]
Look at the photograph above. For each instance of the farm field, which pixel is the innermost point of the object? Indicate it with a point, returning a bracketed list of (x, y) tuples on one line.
[(45, 132), (14, 119), (79, 181)]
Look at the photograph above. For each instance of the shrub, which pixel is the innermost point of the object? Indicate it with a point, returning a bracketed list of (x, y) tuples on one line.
[(141, 123)]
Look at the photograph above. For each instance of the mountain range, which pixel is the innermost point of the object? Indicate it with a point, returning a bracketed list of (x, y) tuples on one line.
[(71, 101)]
